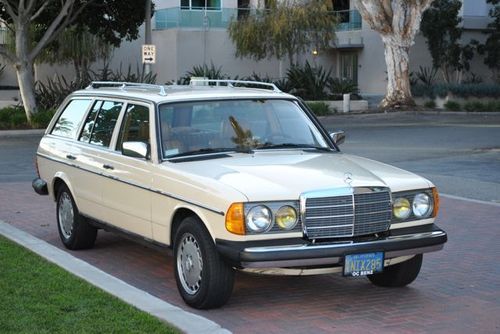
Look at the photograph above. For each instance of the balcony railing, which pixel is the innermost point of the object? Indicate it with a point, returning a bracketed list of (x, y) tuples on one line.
[(176, 17), (348, 20)]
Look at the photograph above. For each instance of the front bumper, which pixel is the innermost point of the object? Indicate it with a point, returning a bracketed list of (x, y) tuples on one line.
[(297, 252)]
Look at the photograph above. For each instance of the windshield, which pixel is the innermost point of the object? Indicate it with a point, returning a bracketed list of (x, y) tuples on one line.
[(201, 127)]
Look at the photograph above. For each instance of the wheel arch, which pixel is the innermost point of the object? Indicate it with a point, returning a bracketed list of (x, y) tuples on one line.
[(58, 180), (181, 213)]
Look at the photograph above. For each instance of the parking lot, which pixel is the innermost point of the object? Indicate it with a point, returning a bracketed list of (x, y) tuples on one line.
[(457, 291)]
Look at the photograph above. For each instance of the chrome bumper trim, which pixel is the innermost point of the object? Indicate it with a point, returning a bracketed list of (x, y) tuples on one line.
[(308, 247)]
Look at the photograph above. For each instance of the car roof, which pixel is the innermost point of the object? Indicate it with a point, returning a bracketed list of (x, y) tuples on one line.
[(166, 93)]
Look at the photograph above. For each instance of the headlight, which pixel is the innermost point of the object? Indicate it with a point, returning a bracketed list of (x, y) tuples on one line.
[(422, 205), (286, 217), (401, 208), (259, 219)]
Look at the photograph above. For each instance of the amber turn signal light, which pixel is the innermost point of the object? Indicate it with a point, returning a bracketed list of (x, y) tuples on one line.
[(235, 219), (435, 196)]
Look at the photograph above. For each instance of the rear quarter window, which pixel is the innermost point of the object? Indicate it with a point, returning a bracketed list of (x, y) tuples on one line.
[(71, 118)]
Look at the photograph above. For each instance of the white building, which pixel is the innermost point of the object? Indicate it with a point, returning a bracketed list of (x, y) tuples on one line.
[(186, 34), (194, 32)]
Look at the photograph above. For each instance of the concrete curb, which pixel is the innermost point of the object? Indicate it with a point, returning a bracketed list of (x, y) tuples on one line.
[(20, 133), (185, 321)]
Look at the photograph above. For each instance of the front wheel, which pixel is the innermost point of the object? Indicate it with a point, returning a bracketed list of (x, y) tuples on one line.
[(74, 230), (400, 274), (203, 278)]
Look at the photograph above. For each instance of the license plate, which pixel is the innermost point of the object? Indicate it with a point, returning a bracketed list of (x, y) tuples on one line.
[(363, 264)]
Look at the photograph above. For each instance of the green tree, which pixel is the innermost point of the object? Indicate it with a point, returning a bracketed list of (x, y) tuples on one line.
[(284, 28), (78, 46), (35, 24), (491, 48), (441, 28)]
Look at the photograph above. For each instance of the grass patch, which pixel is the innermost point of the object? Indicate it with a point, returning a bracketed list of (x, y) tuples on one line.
[(39, 297)]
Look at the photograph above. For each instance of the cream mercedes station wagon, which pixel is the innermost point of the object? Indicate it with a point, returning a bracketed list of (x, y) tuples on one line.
[(231, 175)]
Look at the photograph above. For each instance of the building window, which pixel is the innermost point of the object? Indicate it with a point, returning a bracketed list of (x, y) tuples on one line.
[(200, 4)]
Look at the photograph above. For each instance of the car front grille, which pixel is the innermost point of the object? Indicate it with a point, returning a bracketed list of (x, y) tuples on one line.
[(349, 212)]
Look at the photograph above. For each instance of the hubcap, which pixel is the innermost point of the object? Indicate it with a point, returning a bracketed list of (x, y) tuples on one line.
[(66, 215), (189, 264)]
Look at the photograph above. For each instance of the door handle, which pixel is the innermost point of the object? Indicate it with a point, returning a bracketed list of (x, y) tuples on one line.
[(108, 167), (70, 157)]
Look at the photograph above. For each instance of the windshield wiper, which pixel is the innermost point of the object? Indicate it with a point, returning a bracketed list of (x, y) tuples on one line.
[(293, 145), (211, 150)]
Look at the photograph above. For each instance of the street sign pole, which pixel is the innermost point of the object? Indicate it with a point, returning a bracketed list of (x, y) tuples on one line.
[(148, 39)]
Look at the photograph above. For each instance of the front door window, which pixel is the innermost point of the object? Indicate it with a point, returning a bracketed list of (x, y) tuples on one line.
[(349, 66)]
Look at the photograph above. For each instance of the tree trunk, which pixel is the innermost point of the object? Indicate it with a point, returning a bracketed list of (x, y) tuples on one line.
[(24, 73), (24, 69), (398, 75)]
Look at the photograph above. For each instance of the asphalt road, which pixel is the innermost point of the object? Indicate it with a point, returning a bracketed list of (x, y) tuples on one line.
[(460, 153)]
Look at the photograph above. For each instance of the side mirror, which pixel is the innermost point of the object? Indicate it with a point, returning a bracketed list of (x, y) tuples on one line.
[(135, 149), (338, 137)]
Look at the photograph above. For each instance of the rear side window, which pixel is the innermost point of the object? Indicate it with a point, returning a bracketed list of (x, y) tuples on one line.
[(135, 126), (100, 123), (71, 118)]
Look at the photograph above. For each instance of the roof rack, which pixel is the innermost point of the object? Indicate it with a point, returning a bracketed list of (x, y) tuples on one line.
[(123, 86), (230, 83)]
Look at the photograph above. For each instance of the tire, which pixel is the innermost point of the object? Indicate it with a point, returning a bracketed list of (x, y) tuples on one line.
[(400, 274), (204, 280), (74, 230)]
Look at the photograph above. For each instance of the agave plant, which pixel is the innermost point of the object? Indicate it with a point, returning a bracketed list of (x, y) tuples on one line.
[(339, 86), (427, 75), (203, 71), (52, 92), (309, 82)]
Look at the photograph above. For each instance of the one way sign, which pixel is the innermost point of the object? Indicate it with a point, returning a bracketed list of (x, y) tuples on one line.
[(148, 54)]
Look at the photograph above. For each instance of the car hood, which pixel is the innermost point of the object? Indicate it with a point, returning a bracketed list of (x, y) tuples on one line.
[(283, 175)]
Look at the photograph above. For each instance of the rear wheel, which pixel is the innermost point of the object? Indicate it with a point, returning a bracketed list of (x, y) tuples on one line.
[(203, 278), (400, 274), (74, 230)]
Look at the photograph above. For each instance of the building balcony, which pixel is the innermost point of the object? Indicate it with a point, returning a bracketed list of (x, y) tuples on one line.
[(179, 18)]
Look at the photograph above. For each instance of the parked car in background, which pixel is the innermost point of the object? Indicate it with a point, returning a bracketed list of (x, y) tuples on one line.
[(231, 178)]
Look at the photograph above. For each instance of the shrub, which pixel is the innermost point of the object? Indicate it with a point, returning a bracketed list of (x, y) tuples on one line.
[(319, 108), (459, 90), (452, 106), (50, 94), (430, 104), (474, 106), (492, 106), (419, 90), (203, 71), (42, 118), (338, 87), (427, 75), (309, 82), (13, 118)]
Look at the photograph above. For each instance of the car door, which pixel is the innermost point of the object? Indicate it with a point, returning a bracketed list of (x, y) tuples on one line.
[(64, 158), (126, 190), (93, 145)]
